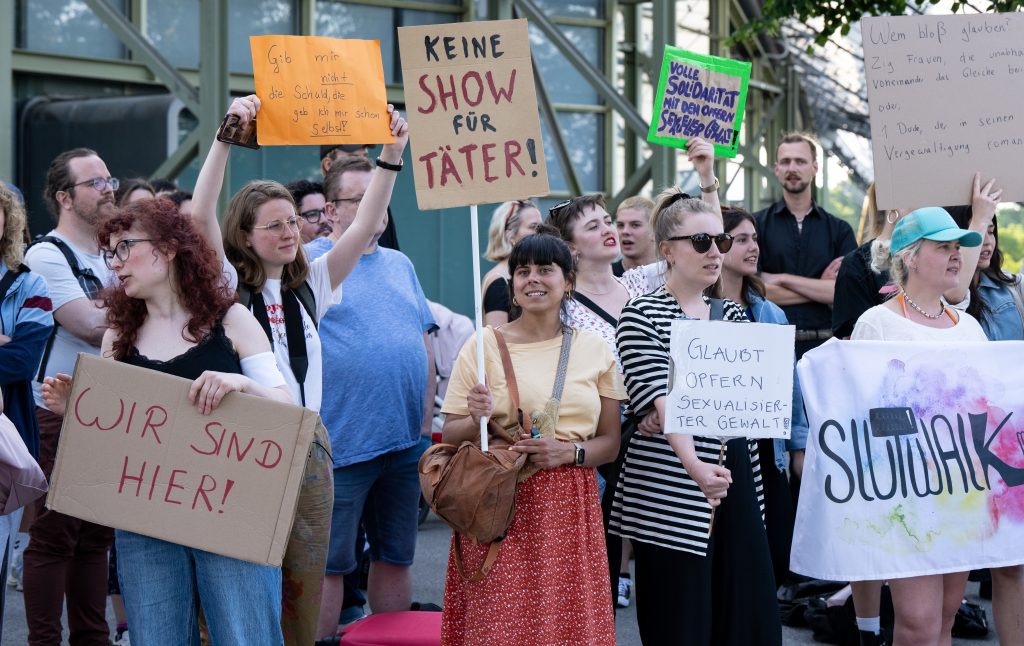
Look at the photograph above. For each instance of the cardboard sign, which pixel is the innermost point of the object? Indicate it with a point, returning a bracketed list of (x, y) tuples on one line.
[(730, 381), (317, 90), (915, 459), (700, 96), (945, 96), (135, 455), (472, 113)]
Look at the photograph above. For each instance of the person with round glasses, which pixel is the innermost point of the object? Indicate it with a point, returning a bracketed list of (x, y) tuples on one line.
[(694, 585), (289, 296)]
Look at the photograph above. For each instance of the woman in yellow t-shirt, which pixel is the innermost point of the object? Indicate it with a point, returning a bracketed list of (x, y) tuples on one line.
[(550, 581)]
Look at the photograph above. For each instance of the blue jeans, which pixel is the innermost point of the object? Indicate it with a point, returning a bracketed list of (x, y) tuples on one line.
[(385, 493), (160, 582)]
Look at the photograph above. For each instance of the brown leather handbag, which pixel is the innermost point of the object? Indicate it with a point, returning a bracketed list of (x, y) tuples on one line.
[(472, 491)]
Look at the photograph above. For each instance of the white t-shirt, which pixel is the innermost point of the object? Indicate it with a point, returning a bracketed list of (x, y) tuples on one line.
[(882, 324), (47, 261), (319, 280)]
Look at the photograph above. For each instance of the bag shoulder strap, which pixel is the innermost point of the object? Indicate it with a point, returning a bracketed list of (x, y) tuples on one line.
[(563, 364), (90, 282), (595, 308), (717, 309), (297, 356), (305, 295), (522, 416)]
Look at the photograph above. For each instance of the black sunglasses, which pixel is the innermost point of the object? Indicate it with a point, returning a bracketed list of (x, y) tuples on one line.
[(702, 241), (558, 207)]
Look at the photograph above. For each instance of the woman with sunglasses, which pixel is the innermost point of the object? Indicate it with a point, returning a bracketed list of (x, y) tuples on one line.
[(289, 296), (694, 586), (741, 285), (170, 311), (509, 224)]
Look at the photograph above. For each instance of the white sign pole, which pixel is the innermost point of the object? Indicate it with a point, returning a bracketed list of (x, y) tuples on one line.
[(478, 307)]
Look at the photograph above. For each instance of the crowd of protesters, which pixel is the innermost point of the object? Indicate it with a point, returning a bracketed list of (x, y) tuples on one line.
[(297, 293)]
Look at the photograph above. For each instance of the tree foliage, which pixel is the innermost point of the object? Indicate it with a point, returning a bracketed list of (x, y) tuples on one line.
[(838, 15)]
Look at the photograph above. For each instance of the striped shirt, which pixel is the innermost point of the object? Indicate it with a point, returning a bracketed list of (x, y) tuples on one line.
[(656, 500)]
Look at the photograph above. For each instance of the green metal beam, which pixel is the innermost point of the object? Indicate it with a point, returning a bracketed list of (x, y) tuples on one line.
[(7, 92), (213, 77), (144, 51), (633, 183), (555, 132), (664, 170), (180, 158)]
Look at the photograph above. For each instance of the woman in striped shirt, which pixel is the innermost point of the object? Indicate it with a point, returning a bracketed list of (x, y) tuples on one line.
[(692, 589)]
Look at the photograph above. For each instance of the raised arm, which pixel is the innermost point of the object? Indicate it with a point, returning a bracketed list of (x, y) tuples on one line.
[(701, 154), (211, 178), (984, 200), (342, 258)]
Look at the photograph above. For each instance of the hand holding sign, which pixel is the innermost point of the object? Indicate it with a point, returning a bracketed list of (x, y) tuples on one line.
[(56, 391)]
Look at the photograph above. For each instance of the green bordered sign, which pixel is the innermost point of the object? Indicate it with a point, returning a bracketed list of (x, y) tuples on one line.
[(700, 96)]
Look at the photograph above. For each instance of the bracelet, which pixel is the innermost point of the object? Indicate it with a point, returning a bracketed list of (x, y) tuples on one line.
[(710, 189), (386, 166)]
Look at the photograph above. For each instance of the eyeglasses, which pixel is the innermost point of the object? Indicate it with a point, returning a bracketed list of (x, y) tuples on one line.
[(99, 183), (122, 250), (277, 226), (702, 241), (354, 201), (312, 216)]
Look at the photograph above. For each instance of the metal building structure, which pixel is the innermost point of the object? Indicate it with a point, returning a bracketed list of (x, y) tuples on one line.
[(596, 64)]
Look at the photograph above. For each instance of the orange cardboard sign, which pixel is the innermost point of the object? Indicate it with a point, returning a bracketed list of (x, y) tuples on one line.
[(317, 90)]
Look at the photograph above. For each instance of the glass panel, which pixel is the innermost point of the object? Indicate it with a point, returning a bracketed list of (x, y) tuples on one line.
[(564, 83), (341, 20), (573, 8), (68, 27), (255, 18), (173, 28), (583, 133)]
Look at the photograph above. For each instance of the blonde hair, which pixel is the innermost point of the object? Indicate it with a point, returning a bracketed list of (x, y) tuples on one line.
[(12, 247), (670, 209), (504, 223), (896, 264), (636, 203)]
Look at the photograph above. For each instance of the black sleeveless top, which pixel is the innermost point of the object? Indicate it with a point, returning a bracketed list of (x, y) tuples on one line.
[(213, 352)]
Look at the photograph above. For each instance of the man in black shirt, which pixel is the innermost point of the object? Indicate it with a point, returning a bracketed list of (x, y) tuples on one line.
[(802, 245)]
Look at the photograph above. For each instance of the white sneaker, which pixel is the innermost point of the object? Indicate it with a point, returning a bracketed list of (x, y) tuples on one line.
[(15, 582), (122, 640), (625, 592)]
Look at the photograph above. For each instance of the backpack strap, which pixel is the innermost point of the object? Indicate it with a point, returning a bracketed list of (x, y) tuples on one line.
[(305, 295), (89, 282), (290, 299), (8, 280)]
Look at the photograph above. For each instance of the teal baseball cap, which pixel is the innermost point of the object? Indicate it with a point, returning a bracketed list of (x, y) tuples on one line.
[(930, 223)]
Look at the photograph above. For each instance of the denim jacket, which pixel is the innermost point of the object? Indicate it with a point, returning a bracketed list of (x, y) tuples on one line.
[(764, 311), (1000, 318)]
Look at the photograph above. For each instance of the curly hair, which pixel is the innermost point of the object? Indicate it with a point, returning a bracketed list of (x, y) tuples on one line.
[(238, 225), (198, 278), (12, 245)]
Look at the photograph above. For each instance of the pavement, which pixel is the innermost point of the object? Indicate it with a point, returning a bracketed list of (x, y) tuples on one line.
[(428, 574)]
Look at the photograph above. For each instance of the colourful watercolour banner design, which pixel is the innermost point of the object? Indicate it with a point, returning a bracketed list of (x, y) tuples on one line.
[(915, 459)]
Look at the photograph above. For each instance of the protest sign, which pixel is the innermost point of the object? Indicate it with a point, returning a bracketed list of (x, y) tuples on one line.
[(136, 455), (699, 96), (915, 459), (472, 109), (317, 90), (730, 381), (944, 95)]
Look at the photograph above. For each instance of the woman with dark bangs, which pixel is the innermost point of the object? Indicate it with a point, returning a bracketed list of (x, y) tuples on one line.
[(171, 311), (549, 584)]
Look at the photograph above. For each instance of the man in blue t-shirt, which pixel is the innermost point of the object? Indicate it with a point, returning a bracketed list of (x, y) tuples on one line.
[(378, 393)]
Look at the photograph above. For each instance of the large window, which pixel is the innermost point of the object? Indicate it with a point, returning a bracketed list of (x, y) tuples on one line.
[(67, 27)]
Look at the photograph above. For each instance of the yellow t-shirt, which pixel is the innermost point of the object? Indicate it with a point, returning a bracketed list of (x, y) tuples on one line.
[(591, 374)]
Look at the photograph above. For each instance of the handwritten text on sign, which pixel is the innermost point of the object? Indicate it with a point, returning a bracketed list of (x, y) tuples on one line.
[(317, 90), (473, 108), (730, 380), (945, 95), (136, 455), (700, 96)]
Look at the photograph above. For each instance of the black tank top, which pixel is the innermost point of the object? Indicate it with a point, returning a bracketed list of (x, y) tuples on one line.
[(213, 352)]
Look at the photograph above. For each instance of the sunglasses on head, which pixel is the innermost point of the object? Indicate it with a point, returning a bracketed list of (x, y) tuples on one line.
[(702, 241)]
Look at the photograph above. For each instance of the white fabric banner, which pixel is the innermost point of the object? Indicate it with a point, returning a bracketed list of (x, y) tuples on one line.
[(915, 459), (730, 381)]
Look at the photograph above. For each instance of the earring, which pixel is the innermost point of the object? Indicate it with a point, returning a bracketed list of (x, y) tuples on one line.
[(892, 216), (514, 301)]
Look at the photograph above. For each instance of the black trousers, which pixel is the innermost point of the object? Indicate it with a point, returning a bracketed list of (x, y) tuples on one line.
[(726, 598), (779, 513)]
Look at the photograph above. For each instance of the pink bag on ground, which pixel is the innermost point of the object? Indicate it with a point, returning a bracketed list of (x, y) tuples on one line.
[(21, 479), (406, 628)]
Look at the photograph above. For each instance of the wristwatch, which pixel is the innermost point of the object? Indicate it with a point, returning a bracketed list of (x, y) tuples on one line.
[(710, 189), (581, 455)]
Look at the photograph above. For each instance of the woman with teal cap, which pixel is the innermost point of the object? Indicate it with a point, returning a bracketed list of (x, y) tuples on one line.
[(924, 262)]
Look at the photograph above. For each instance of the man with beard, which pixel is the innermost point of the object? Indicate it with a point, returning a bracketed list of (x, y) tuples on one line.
[(309, 199), (801, 245), (66, 559)]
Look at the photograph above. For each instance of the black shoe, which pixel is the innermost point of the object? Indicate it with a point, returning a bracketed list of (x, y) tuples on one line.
[(871, 639), (328, 641)]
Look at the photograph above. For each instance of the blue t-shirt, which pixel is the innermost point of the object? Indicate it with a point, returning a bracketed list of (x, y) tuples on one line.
[(375, 363)]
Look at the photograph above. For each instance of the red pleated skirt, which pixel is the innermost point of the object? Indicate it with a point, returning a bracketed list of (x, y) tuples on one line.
[(550, 583)]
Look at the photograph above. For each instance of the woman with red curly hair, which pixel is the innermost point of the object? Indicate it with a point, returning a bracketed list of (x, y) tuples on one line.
[(171, 311)]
